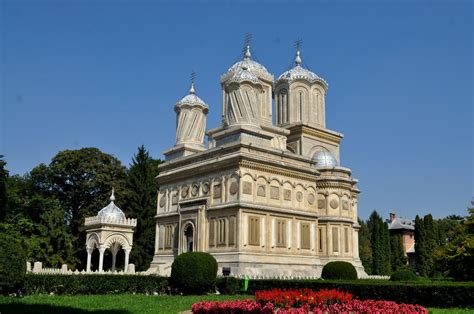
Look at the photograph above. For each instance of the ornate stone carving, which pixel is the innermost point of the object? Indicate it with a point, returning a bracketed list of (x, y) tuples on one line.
[(174, 198), (162, 200), (261, 191), (184, 191), (205, 188), (345, 205), (287, 195), (247, 188), (311, 198), (274, 192), (217, 191), (334, 204), (195, 190), (299, 196), (321, 204), (234, 188)]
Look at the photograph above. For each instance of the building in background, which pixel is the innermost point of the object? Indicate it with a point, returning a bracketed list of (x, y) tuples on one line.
[(405, 227), (268, 196)]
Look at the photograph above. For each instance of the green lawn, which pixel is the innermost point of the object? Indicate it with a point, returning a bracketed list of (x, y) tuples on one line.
[(122, 304)]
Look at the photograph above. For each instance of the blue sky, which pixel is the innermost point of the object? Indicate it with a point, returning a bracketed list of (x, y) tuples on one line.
[(107, 74)]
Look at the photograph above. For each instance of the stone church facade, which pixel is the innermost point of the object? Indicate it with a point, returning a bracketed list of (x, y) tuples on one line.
[(267, 196)]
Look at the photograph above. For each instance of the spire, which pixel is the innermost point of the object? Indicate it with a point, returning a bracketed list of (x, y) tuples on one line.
[(192, 91), (247, 53), (298, 44), (112, 197)]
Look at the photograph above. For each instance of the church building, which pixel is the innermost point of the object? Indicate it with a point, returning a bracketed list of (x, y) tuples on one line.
[(268, 195)]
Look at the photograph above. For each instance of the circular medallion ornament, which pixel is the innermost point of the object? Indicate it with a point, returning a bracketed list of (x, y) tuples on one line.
[(299, 196), (194, 190), (334, 204), (162, 200), (234, 188), (205, 188), (184, 191), (311, 198)]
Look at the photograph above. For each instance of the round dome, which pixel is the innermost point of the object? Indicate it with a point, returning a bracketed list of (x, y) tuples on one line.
[(300, 73), (191, 99), (325, 159), (241, 75), (252, 66), (111, 211)]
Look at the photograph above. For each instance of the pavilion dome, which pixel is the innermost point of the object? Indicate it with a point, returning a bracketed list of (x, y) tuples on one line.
[(249, 65), (298, 72), (111, 211), (325, 159)]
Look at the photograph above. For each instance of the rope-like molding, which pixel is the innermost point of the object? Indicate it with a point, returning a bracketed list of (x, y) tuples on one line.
[(277, 171)]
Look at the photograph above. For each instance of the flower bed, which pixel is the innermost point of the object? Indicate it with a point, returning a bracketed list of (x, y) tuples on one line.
[(305, 301)]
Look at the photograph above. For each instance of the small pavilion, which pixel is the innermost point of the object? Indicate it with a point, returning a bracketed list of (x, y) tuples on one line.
[(109, 230)]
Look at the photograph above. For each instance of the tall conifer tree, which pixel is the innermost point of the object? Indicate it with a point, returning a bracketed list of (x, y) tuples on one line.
[(380, 243), (420, 246), (141, 204)]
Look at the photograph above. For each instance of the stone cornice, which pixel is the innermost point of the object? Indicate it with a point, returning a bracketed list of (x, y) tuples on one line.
[(265, 208), (320, 133)]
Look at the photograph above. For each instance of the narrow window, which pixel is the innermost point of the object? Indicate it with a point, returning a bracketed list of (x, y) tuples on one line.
[(254, 231), (221, 231), (320, 235), (212, 227), (346, 240), (281, 233), (232, 230), (335, 239), (305, 236)]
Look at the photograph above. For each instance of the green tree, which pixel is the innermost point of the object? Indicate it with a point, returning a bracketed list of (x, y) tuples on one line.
[(380, 243), (421, 254), (430, 243), (81, 180), (3, 189), (365, 249), (398, 259), (141, 204)]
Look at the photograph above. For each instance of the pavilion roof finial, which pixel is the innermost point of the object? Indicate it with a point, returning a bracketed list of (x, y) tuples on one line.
[(112, 196)]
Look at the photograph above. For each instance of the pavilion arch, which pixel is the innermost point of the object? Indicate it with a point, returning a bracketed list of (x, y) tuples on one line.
[(93, 241), (117, 238)]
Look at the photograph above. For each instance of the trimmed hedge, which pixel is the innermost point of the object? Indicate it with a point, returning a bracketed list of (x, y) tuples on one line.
[(339, 270), (403, 275), (12, 264), (94, 284), (439, 294), (194, 273)]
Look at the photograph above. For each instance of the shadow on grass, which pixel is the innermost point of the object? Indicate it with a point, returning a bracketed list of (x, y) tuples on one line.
[(16, 308)]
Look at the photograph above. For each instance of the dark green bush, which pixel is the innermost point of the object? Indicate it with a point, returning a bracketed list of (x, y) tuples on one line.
[(339, 270), (12, 264), (194, 273), (94, 284), (403, 275), (228, 285)]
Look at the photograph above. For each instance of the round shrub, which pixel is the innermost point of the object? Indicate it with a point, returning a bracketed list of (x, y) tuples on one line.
[(339, 270), (12, 264), (194, 273), (403, 275)]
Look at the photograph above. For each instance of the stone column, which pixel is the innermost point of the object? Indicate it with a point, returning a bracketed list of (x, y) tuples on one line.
[(101, 259), (89, 257), (127, 255)]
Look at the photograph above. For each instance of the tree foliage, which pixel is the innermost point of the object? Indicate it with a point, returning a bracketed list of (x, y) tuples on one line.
[(3, 191), (365, 248), (141, 204), (380, 242)]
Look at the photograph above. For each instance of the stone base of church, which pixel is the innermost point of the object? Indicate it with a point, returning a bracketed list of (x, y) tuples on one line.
[(262, 265)]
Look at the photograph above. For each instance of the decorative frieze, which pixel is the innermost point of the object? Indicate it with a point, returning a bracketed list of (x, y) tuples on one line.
[(261, 191), (274, 192), (247, 188)]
